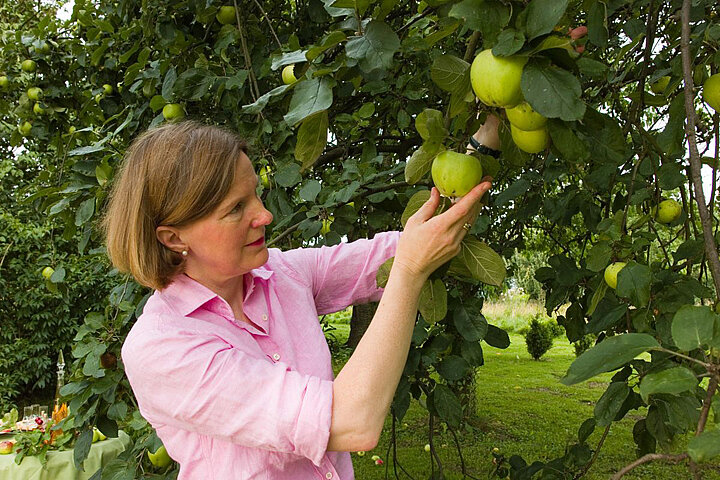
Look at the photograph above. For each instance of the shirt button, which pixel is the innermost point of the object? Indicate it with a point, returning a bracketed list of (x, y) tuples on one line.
[(264, 317), (328, 475), (276, 356)]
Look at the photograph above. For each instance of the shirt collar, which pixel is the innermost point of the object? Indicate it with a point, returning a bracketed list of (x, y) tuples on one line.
[(186, 295)]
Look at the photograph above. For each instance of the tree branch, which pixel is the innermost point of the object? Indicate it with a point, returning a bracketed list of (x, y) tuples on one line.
[(706, 221), (649, 458)]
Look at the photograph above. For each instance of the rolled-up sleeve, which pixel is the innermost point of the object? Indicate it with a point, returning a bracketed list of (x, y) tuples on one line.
[(344, 274), (226, 391)]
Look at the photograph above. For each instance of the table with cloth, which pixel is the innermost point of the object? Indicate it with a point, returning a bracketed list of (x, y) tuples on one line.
[(60, 464)]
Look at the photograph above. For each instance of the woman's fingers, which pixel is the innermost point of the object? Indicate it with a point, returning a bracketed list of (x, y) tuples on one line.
[(427, 210)]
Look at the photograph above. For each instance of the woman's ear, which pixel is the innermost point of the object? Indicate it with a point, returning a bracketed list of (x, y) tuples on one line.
[(170, 237)]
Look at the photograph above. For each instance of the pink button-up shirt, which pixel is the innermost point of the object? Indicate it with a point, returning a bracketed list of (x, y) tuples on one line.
[(232, 401)]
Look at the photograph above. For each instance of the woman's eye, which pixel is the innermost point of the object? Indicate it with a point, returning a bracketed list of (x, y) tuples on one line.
[(236, 208)]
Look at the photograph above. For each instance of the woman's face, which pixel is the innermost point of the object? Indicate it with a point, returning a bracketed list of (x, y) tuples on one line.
[(230, 241)]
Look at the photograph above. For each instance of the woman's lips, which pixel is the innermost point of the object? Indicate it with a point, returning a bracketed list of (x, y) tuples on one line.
[(257, 242)]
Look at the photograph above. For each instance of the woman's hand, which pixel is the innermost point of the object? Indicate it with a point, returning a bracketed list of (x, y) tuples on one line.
[(487, 134), (429, 241)]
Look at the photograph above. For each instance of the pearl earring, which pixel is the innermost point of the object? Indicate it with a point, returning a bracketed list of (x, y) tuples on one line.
[(184, 253)]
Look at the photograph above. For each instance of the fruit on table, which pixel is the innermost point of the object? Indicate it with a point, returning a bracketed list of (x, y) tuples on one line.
[(455, 174), (6, 447), (496, 80), (288, 75), (668, 211), (160, 458), (530, 141), (524, 117), (711, 92), (97, 436), (611, 273)]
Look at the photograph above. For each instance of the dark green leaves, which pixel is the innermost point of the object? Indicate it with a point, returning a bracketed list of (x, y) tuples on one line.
[(430, 125), (421, 161), (447, 405), (312, 137), (497, 337), (487, 16), (693, 327), (608, 355), (552, 91), (508, 42), (448, 72), (375, 49), (672, 381), (482, 261), (193, 83), (610, 403), (543, 15), (634, 283), (433, 301), (705, 446), (597, 24), (309, 97)]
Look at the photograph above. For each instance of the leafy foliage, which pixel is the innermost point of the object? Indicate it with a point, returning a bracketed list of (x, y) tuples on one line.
[(538, 338)]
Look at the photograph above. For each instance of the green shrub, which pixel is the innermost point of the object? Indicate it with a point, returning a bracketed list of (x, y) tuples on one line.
[(556, 329), (584, 343), (539, 338)]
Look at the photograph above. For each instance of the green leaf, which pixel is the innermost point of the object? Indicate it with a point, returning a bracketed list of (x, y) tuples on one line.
[(375, 48), (482, 261), (330, 40), (260, 103), (497, 337), (693, 326), (597, 24), (433, 301), (58, 275), (610, 403), (564, 139), (421, 161), (508, 42), (634, 283), (470, 324), (414, 204), (310, 190), (599, 256), (448, 72), (592, 68), (359, 5), (383, 273), (608, 355), (586, 429), (288, 58), (447, 405), (310, 96), (193, 83), (673, 381), (82, 448), (452, 368), (431, 125), (705, 446), (169, 84), (472, 352), (288, 175), (543, 15), (552, 91), (85, 212), (312, 137), (487, 16)]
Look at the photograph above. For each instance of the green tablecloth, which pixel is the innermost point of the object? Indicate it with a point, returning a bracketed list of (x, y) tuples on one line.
[(60, 464)]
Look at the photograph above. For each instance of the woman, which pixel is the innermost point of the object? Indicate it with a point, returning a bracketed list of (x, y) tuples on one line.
[(228, 361)]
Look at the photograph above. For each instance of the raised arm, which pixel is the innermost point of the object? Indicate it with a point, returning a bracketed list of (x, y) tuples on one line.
[(363, 390)]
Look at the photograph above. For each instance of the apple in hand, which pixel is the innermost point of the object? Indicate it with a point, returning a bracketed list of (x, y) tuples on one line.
[(611, 273), (455, 174), (6, 447), (711, 92), (160, 458), (496, 80)]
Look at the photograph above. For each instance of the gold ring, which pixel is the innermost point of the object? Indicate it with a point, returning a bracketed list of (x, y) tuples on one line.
[(467, 226)]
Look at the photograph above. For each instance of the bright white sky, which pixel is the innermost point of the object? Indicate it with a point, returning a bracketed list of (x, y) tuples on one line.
[(66, 11)]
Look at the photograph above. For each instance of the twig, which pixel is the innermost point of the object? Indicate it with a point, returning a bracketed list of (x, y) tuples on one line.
[(2, 260), (649, 458), (710, 247), (690, 359), (272, 30), (246, 54), (595, 454)]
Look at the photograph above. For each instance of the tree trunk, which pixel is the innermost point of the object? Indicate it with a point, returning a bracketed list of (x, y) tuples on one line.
[(359, 322)]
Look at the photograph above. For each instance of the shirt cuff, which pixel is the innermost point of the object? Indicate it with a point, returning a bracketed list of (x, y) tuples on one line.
[(313, 425)]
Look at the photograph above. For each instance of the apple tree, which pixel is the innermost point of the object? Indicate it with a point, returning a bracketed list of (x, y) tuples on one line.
[(380, 89)]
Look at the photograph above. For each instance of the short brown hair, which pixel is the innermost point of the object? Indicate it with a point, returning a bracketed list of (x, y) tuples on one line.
[(171, 175)]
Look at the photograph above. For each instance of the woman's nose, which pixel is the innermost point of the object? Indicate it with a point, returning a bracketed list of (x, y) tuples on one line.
[(263, 218)]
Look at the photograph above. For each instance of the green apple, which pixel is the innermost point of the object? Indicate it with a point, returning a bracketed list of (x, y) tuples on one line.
[(6, 447), (37, 109), (173, 111), (25, 128), (530, 141), (611, 273), (148, 90), (524, 117), (160, 458), (361, 453), (376, 457), (47, 272), (455, 174), (288, 75), (711, 92), (28, 66), (496, 80), (34, 93), (326, 225), (660, 85), (668, 211), (226, 15), (427, 447), (107, 89), (98, 97), (4, 81), (265, 173), (72, 129), (97, 436), (43, 48)]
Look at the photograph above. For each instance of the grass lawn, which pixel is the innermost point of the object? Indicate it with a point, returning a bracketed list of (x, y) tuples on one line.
[(522, 409)]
